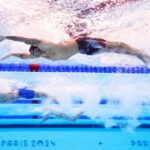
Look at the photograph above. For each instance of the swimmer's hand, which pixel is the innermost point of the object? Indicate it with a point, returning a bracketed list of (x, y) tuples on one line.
[(2, 38)]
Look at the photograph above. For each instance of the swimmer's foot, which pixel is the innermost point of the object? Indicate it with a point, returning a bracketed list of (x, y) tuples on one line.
[(5, 57), (76, 115), (45, 118), (2, 38), (144, 58)]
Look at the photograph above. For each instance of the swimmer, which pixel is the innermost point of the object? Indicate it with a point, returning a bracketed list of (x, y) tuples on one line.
[(65, 49), (14, 94)]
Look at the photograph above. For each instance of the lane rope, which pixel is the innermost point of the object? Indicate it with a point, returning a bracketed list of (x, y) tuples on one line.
[(73, 69), (81, 117)]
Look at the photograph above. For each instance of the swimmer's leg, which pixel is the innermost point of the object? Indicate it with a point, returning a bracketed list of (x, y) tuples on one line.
[(120, 47), (59, 114), (42, 95)]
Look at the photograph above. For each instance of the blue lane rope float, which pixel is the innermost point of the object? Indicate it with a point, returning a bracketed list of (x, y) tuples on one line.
[(73, 68), (25, 101), (74, 102)]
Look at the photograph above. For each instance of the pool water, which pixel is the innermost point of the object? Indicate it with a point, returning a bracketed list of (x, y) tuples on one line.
[(115, 107)]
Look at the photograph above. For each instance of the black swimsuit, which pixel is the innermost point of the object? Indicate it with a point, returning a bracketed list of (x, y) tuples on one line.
[(90, 46)]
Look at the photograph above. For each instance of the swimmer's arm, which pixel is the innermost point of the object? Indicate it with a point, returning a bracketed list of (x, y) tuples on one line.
[(43, 45), (30, 41), (20, 55)]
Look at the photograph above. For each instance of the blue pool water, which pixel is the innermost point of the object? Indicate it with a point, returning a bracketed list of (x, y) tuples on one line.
[(116, 107), (111, 119)]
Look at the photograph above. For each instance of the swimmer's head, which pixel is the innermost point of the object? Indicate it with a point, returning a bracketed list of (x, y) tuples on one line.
[(35, 51)]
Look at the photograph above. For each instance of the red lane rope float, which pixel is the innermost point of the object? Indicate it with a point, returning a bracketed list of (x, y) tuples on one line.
[(34, 67)]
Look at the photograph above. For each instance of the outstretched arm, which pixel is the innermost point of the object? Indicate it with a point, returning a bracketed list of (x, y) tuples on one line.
[(43, 45), (30, 41), (20, 55)]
